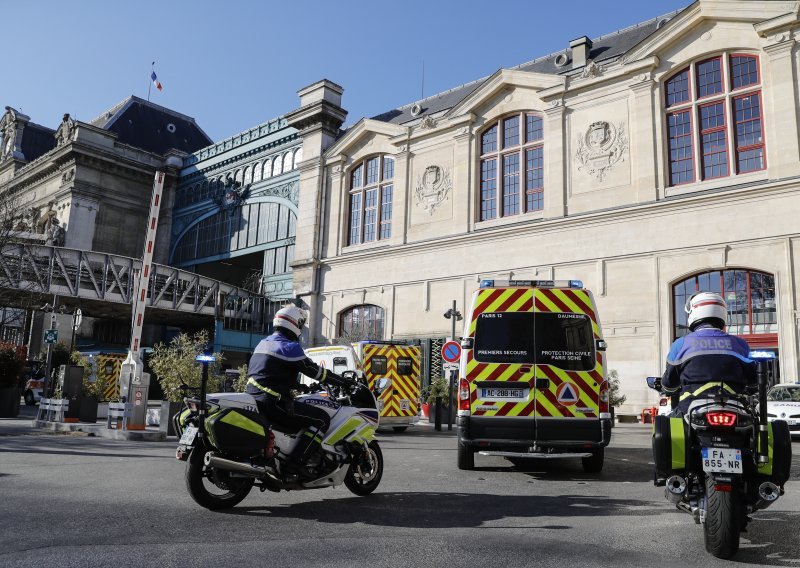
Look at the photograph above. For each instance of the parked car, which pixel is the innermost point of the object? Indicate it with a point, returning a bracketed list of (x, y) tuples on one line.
[(783, 403), (33, 374)]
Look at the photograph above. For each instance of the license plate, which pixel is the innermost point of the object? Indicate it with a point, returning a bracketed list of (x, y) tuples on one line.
[(791, 422), (722, 460), (188, 436), (504, 394)]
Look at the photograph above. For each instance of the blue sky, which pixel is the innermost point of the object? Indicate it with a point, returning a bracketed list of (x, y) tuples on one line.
[(234, 64)]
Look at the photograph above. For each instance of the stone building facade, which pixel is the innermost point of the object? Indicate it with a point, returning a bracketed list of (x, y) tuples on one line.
[(650, 163)]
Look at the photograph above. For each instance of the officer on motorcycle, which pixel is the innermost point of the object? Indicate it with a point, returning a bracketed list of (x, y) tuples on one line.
[(272, 380), (707, 360)]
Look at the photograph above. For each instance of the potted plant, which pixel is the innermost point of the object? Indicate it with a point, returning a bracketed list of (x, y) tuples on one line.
[(10, 381), (174, 365), (91, 389), (615, 398), (437, 389)]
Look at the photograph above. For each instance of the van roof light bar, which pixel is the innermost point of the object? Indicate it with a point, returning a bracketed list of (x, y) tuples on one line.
[(532, 283)]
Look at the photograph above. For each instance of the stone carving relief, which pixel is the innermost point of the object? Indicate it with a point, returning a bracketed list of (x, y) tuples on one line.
[(65, 130), (426, 123), (8, 132), (68, 175), (290, 191), (601, 147), (433, 185), (592, 70), (49, 225), (232, 195)]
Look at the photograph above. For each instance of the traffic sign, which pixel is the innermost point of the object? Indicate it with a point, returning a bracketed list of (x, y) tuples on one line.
[(78, 319), (50, 335), (451, 351)]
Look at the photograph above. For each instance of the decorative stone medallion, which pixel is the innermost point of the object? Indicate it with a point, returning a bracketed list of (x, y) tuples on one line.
[(433, 185), (601, 147)]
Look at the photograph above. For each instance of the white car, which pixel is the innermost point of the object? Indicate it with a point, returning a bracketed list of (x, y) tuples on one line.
[(783, 403)]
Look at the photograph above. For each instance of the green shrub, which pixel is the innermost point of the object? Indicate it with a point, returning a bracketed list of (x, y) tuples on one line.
[(174, 363), (615, 398), (10, 368)]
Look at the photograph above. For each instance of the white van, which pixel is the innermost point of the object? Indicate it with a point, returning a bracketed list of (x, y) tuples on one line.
[(335, 358)]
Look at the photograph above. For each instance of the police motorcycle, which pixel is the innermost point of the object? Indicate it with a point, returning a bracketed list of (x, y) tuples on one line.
[(722, 460), (229, 447)]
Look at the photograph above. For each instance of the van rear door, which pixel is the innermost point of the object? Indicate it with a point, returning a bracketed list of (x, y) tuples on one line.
[(569, 370)]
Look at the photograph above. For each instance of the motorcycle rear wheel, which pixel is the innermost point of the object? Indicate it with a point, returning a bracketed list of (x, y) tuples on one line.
[(365, 470), (206, 492), (722, 526)]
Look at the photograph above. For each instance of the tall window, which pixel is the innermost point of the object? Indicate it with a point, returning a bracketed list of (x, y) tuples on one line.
[(750, 297), (714, 120), (512, 166), (370, 211), (362, 322)]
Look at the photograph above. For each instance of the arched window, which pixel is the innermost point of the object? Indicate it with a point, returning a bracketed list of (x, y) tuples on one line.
[(256, 172), (298, 157), (713, 111), (370, 211), (277, 166), (750, 296), (512, 166), (238, 176), (287, 162), (248, 175), (361, 323)]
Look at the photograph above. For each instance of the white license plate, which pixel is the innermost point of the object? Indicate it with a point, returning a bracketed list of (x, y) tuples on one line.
[(722, 460), (791, 422), (504, 394), (188, 436)]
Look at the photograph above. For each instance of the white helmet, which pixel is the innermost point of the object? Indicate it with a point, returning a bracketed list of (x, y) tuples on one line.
[(290, 318), (706, 306)]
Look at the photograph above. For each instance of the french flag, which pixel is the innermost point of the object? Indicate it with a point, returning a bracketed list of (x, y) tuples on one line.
[(156, 82)]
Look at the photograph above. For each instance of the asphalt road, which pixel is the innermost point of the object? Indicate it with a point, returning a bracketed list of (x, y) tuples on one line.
[(72, 500)]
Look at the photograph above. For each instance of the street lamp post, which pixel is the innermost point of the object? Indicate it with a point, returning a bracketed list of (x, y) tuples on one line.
[(47, 387), (453, 315)]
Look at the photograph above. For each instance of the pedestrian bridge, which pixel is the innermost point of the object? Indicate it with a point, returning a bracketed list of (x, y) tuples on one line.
[(102, 285)]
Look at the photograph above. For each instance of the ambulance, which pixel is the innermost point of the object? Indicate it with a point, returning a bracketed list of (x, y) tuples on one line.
[(398, 403), (335, 358), (532, 376)]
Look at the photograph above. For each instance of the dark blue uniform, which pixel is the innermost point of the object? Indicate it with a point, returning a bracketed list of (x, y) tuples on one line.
[(708, 361)]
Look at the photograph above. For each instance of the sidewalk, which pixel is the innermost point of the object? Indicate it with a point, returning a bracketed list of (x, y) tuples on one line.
[(26, 425)]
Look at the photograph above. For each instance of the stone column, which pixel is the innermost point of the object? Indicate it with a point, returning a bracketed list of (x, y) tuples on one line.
[(643, 133), (780, 124), (555, 186), (318, 120)]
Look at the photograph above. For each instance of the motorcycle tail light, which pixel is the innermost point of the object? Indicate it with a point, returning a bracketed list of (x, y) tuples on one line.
[(663, 402), (463, 395), (724, 419), (604, 397)]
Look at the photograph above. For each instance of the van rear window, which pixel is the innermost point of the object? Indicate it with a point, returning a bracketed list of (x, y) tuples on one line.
[(565, 341), (504, 337), (378, 365)]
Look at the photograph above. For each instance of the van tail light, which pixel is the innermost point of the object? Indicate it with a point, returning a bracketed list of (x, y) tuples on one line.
[(463, 395), (604, 397), (723, 419)]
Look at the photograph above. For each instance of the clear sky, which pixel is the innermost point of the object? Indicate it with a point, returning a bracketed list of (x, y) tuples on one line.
[(233, 64)]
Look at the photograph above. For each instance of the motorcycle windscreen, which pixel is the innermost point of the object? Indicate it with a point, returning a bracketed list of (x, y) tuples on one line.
[(569, 370), (499, 368)]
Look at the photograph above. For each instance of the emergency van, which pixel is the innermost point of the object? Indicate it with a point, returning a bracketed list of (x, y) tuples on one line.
[(335, 358), (532, 376), (398, 403)]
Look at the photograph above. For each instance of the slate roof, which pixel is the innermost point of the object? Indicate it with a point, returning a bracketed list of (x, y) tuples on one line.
[(604, 48), (146, 125), (37, 140)]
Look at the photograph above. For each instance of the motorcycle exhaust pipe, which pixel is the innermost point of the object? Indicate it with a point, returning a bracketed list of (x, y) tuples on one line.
[(675, 489), (213, 460), (768, 493)]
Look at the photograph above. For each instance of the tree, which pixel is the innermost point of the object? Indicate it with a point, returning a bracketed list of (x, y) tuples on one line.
[(614, 397), (174, 363)]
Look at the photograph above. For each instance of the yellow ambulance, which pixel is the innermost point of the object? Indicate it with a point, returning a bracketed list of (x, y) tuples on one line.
[(532, 376), (398, 403)]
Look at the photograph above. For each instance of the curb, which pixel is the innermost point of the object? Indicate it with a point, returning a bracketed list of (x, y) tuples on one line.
[(103, 432)]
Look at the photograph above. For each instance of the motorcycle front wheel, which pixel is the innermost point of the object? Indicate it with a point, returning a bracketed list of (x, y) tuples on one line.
[(722, 524), (213, 489), (365, 471)]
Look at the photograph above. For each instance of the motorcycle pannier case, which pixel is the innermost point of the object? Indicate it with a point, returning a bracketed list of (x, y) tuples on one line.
[(780, 453), (238, 432), (670, 445)]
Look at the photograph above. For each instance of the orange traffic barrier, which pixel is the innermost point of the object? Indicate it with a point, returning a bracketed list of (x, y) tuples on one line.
[(649, 414)]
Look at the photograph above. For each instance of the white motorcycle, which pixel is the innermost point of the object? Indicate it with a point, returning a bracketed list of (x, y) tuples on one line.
[(234, 448)]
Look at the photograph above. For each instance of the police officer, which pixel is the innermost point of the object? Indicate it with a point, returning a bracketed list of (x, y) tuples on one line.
[(707, 360), (273, 376)]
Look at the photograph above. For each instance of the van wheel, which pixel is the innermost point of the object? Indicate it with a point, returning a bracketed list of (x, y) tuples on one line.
[(594, 463), (466, 457), (399, 428)]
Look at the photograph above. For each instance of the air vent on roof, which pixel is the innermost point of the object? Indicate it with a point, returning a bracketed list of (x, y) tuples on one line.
[(416, 109), (561, 60), (171, 128)]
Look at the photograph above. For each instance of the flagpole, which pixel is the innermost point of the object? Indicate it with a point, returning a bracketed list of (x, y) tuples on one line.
[(150, 84)]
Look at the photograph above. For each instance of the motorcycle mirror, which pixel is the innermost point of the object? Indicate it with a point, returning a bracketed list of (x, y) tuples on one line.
[(654, 383), (349, 374), (466, 343)]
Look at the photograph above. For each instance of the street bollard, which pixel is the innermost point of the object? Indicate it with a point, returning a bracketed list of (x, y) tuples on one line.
[(438, 408)]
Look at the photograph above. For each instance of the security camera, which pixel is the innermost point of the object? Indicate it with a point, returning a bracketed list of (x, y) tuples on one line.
[(447, 314)]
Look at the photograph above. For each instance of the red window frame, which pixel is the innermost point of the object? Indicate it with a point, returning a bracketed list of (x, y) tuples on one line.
[(381, 227), (758, 70), (721, 91), (689, 93), (712, 130), (688, 112), (734, 127)]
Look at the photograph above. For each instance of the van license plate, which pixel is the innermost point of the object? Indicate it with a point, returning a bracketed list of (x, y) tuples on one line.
[(188, 436), (504, 394), (722, 460)]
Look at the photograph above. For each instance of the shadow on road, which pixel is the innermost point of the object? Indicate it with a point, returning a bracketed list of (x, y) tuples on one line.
[(621, 465), (451, 510)]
